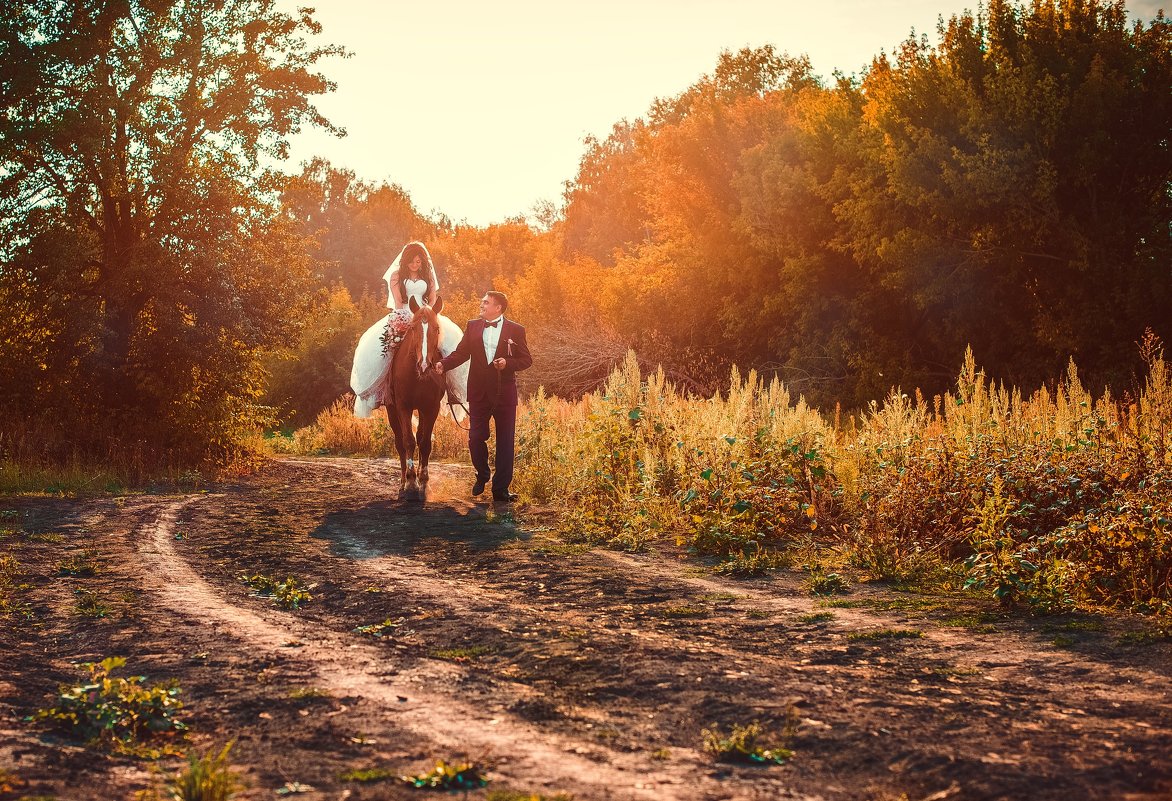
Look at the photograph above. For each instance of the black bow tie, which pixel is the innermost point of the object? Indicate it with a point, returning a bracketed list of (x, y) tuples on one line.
[(492, 324)]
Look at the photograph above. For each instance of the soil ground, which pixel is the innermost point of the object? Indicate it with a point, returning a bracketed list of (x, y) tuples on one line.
[(563, 669)]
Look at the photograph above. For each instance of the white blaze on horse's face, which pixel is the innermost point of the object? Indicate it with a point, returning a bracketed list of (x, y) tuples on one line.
[(424, 356)]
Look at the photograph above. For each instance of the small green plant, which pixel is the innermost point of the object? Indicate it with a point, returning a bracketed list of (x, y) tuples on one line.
[(79, 565), (88, 604), (115, 712), (449, 776), (817, 617), (684, 611), (828, 583), (513, 795), (384, 629), (207, 778), (308, 694), (468, 654), (740, 745), (289, 594), (886, 634), (757, 563), (978, 623), (367, 775)]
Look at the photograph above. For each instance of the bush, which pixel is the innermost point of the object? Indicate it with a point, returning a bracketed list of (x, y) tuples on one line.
[(115, 712), (1054, 501)]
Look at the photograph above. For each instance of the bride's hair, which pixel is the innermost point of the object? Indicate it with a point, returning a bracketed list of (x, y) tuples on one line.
[(412, 250)]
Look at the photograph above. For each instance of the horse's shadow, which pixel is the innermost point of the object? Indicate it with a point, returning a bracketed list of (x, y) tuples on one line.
[(405, 528)]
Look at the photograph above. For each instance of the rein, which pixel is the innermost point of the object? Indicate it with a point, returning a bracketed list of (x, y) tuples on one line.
[(452, 411)]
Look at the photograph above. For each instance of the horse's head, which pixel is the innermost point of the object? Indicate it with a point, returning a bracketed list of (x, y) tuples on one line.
[(424, 341)]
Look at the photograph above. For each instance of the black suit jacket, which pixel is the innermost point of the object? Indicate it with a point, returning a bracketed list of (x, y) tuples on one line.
[(485, 382)]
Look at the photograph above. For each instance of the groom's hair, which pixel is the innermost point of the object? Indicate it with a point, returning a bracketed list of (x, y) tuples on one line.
[(500, 297)]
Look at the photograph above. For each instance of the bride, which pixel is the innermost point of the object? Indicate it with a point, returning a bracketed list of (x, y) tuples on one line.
[(411, 275)]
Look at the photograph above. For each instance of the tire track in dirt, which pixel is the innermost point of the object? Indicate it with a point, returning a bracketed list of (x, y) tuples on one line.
[(414, 578), (523, 753), (1015, 660)]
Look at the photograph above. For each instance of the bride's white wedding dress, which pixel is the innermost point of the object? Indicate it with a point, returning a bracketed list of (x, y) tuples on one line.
[(371, 364)]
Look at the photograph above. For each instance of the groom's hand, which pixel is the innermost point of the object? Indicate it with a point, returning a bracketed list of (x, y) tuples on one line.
[(499, 363), (439, 368)]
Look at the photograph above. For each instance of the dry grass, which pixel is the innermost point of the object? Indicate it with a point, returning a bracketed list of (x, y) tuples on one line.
[(336, 431), (1056, 500)]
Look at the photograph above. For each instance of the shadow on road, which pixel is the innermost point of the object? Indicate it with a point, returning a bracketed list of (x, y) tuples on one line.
[(399, 527)]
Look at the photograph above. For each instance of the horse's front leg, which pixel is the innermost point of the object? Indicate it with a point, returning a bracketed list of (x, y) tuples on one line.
[(397, 427), (427, 418), (406, 443)]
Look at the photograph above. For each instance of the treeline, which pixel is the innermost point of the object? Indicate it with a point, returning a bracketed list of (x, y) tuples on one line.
[(1006, 185)]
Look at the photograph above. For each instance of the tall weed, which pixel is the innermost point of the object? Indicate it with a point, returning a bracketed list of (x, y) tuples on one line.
[(1055, 500)]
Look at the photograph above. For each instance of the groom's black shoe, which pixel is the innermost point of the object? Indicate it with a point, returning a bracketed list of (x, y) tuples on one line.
[(478, 487), (504, 497)]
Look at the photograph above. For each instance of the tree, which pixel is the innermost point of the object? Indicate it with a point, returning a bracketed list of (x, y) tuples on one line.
[(142, 234), (356, 227)]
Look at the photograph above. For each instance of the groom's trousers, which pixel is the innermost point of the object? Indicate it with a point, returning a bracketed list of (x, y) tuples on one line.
[(504, 415)]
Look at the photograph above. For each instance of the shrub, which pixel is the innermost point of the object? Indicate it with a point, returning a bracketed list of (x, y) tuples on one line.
[(114, 711), (288, 593)]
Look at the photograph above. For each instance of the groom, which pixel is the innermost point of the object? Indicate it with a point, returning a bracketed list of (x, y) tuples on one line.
[(497, 349)]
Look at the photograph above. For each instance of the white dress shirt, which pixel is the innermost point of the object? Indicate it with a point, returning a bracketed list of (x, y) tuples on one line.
[(491, 337)]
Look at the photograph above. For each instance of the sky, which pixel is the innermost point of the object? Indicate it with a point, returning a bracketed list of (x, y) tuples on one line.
[(479, 109)]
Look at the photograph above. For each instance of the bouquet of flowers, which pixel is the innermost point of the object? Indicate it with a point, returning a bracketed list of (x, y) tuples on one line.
[(393, 332)]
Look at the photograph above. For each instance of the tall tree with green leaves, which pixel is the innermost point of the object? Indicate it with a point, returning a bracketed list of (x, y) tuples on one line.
[(142, 240)]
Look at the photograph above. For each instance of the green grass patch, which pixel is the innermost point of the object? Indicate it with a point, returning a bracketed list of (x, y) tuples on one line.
[(207, 778), (1083, 625), (88, 604), (720, 597), (1149, 636), (513, 795), (885, 634), (902, 603), (308, 694), (468, 654), (561, 548), (828, 583), (684, 611), (817, 617), (844, 603), (741, 744), (79, 565), (977, 622), (367, 775), (384, 629)]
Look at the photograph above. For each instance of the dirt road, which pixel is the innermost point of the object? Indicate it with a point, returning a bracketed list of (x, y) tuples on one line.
[(567, 670)]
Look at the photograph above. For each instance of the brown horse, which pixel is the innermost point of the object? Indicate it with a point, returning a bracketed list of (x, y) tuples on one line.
[(415, 388)]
